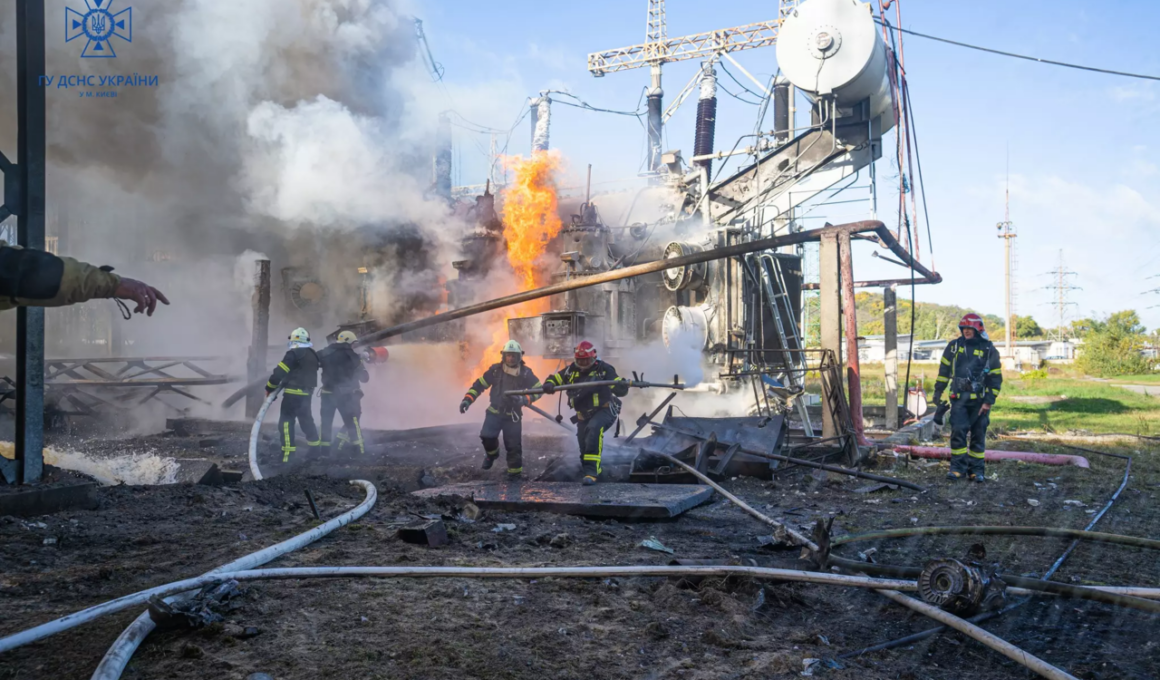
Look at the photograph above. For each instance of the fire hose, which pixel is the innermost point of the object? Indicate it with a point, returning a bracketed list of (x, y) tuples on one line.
[(117, 658), (254, 471)]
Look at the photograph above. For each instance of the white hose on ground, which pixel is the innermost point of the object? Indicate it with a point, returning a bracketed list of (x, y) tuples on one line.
[(971, 630), (137, 599), (117, 658), (996, 643), (254, 471)]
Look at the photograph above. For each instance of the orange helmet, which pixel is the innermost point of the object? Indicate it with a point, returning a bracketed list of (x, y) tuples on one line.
[(972, 320)]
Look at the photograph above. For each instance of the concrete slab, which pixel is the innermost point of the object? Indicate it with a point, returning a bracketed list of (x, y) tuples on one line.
[(616, 500)]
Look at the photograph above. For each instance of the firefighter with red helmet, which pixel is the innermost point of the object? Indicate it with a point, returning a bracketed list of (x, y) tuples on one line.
[(597, 407), (973, 374)]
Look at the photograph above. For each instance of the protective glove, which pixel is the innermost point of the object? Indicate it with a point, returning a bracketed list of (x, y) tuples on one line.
[(515, 400), (937, 396), (549, 388), (464, 405), (940, 413)]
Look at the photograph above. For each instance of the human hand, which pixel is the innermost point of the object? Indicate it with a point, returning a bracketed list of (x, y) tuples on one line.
[(549, 388), (984, 409), (143, 294), (464, 405)]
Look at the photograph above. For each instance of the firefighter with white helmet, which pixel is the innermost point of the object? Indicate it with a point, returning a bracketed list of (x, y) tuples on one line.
[(342, 373), (297, 375), (504, 413)]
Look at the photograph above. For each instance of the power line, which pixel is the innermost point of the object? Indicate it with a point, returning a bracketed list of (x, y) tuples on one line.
[(1018, 56)]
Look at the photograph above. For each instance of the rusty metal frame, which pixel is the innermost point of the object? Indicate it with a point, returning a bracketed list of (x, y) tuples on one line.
[(84, 383)]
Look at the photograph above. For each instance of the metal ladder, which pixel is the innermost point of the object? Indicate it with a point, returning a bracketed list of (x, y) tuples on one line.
[(773, 281)]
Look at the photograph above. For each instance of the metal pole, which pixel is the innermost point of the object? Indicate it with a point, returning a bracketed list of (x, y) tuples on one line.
[(30, 134), (260, 334), (831, 317), (850, 321), (890, 318)]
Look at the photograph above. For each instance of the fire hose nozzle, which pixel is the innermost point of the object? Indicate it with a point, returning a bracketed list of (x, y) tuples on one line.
[(375, 355)]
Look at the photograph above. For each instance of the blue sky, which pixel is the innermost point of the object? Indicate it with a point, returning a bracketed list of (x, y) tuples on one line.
[(1083, 146)]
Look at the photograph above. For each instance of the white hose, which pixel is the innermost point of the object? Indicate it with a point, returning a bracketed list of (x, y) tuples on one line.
[(137, 599), (115, 660), (969, 629), (254, 471)]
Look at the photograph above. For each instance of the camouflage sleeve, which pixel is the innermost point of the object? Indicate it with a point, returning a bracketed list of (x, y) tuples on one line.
[(35, 278)]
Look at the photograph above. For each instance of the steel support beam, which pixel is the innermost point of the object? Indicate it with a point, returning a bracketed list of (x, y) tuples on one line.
[(831, 316), (30, 133), (260, 335), (890, 320)]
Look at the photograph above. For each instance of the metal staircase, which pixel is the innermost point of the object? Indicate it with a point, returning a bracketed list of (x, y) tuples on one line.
[(773, 283)]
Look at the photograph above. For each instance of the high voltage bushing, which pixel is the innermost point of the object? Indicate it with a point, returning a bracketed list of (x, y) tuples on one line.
[(706, 119)]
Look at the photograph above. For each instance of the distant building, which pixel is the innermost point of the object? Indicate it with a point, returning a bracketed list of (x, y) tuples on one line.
[(1026, 353)]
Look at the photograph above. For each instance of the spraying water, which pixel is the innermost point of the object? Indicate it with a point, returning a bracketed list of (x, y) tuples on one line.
[(145, 468)]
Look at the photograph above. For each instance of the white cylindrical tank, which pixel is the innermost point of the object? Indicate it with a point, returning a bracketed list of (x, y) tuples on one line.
[(834, 47)]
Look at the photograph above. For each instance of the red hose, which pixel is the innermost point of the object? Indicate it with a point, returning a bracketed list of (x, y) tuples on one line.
[(995, 456)]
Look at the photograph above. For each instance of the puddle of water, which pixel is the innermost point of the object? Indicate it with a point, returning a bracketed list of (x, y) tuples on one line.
[(145, 468)]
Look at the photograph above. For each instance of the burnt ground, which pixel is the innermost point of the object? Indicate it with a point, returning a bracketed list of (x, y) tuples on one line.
[(565, 628)]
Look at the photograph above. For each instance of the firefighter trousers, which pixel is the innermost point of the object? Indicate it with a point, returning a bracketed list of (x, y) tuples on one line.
[(968, 437), (349, 407), (590, 435), (296, 407), (512, 428)]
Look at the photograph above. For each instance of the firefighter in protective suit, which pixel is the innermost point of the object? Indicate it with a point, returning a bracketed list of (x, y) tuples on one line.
[(342, 371), (297, 375), (504, 413), (972, 372), (596, 407)]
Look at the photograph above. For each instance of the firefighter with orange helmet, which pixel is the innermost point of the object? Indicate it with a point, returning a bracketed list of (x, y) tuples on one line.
[(597, 408), (973, 374)]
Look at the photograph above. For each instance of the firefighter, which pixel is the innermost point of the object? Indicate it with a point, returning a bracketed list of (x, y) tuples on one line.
[(597, 408), (504, 413), (971, 370), (37, 278), (297, 375), (342, 371)]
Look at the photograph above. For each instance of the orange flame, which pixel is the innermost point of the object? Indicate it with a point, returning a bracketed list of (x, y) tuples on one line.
[(531, 219)]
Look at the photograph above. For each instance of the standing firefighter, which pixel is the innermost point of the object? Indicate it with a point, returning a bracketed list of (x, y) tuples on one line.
[(342, 371), (297, 375), (504, 413), (974, 374), (596, 407)]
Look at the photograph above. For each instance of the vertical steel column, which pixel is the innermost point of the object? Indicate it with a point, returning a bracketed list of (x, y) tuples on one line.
[(260, 335), (30, 234), (830, 310), (850, 321), (890, 320)]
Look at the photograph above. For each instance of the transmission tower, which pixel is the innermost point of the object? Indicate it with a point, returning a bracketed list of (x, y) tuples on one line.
[(1007, 233), (1061, 288)]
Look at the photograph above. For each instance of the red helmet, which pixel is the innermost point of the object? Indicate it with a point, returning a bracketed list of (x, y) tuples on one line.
[(585, 355), (972, 321)]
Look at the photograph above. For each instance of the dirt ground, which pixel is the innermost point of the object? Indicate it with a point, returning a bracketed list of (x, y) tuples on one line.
[(567, 628)]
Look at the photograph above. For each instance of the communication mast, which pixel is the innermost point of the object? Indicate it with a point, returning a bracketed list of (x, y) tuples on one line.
[(1007, 233)]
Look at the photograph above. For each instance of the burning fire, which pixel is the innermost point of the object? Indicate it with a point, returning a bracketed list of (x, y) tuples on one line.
[(531, 219)]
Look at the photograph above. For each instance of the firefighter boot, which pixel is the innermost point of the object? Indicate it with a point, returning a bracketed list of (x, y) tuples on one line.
[(489, 459), (976, 470)]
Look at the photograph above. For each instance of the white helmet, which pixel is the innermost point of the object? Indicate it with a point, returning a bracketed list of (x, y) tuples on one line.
[(512, 347), (299, 335), (347, 336)]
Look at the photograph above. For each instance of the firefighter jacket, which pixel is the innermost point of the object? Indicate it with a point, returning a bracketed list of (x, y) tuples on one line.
[(588, 401), (297, 373), (36, 278), (499, 379), (970, 368), (342, 369)]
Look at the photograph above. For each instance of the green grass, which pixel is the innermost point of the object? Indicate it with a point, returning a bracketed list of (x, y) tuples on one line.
[(1036, 404)]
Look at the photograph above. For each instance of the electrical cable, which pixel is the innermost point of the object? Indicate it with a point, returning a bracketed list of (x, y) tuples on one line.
[(739, 83), (918, 159), (1017, 56)]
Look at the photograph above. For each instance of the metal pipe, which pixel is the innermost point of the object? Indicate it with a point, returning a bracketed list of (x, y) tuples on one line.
[(141, 597), (850, 321), (115, 660), (941, 453), (1062, 589), (628, 272), (1049, 532), (995, 642), (798, 537), (594, 383), (547, 415), (808, 463)]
